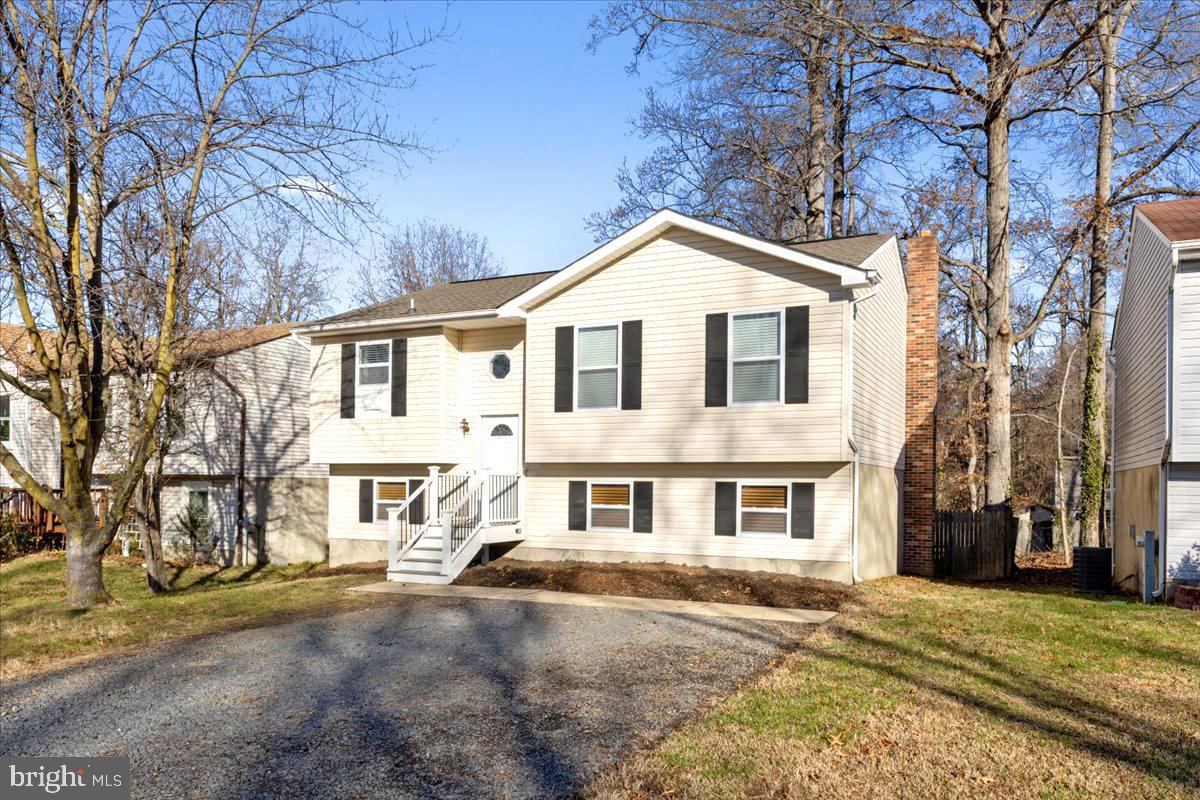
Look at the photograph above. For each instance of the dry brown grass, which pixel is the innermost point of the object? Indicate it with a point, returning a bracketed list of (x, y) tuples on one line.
[(38, 632), (923, 689)]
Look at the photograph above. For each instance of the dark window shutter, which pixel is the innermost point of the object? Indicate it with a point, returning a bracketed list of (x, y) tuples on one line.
[(803, 510), (399, 377), (564, 368), (366, 500), (643, 506), (349, 354), (416, 508), (631, 365), (725, 520), (716, 353), (795, 370), (577, 506)]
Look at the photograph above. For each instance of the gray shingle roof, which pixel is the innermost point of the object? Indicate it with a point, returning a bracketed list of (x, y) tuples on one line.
[(456, 297), (850, 251), (459, 297)]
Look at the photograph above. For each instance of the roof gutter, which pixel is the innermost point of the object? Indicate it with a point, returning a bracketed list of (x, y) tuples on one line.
[(317, 329)]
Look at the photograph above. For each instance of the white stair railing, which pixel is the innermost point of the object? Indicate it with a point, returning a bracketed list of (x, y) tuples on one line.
[(403, 529), (461, 522)]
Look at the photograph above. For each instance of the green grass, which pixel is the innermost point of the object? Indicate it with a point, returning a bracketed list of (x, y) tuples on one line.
[(38, 632), (927, 689)]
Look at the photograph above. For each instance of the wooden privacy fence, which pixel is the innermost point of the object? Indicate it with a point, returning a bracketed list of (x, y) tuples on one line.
[(30, 517), (975, 545)]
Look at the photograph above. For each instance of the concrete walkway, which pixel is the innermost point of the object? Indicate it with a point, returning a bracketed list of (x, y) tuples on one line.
[(727, 610)]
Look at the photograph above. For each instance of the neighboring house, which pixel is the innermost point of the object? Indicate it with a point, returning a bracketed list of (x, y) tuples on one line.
[(682, 393), (239, 447), (28, 431), (1156, 395), (219, 458)]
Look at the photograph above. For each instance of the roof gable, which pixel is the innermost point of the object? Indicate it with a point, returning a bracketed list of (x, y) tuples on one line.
[(1177, 220), (814, 255)]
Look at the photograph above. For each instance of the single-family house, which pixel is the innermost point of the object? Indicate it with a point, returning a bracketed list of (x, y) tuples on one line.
[(1156, 397), (682, 393), (237, 444)]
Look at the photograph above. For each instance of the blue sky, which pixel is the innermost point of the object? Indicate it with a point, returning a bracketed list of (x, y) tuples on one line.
[(530, 127)]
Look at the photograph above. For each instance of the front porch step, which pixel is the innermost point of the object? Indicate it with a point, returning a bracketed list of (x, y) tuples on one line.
[(408, 576)]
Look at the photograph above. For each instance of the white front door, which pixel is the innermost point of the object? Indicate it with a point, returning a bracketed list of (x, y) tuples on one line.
[(501, 444)]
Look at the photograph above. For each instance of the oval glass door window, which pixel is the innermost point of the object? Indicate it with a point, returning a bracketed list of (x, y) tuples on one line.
[(502, 430), (500, 366)]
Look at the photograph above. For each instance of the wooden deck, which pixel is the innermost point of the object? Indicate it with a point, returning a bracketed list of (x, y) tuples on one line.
[(42, 523)]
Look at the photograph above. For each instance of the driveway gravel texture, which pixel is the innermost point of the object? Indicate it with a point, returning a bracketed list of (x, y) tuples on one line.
[(423, 698)]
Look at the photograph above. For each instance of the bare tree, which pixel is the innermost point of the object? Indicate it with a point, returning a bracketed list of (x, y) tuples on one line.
[(968, 77), (1141, 108), (424, 254), (769, 121), (196, 110)]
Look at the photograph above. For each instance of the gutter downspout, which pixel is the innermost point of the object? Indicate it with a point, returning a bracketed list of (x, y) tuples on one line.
[(854, 301), (239, 547)]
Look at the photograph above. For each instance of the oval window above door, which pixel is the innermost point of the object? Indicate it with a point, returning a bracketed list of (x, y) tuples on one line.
[(502, 430), (500, 366)]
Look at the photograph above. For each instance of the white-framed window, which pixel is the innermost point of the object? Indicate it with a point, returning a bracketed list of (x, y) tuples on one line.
[(389, 493), (756, 357), (610, 506), (597, 366), (764, 509), (5, 418), (373, 379)]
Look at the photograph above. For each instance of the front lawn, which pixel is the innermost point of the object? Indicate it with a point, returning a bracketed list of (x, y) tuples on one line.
[(38, 632), (927, 689)]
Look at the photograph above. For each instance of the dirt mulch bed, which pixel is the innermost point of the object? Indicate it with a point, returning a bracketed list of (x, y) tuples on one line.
[(1043, 569), (662, 581)]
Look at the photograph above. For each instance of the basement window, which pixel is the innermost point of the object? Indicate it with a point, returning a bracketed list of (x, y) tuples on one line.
[(763, 509), (609, 506), (389, 494)]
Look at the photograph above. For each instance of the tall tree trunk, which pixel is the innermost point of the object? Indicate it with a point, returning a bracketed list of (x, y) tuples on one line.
[(998, 377), (149, 517), (817, 66), (85, 548), (1092, 454), (841, 129)]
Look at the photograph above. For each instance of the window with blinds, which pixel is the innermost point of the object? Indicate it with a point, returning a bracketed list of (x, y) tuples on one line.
[(374, 376), (387, 495), (764, 509), (597, 366), (609, 506), (756, 357)]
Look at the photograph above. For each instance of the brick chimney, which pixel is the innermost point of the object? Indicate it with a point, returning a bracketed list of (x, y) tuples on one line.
[(920, 394)]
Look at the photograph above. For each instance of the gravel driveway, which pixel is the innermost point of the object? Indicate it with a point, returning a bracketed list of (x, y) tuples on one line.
[(421, 697)]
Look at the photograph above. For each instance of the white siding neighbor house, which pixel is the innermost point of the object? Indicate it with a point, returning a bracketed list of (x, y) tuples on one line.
[(26, 429), (683, 393), (1156, 396), (240, 451)]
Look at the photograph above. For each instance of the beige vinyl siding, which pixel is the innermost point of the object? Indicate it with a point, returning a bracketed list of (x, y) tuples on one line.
[(480, 394), (880, 336), (420, 436), (670, 284), (1140, 348), (343, 496), (684, 499), (1183, 526), (1186, 417)]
